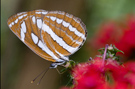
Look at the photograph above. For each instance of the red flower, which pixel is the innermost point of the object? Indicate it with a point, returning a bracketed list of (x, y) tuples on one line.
[(122, 35), (127, 42), (88, 75), (110, 75), (117, 71), (130, 66)]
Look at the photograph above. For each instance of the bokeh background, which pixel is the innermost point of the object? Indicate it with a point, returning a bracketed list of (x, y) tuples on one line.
[(20, 65)]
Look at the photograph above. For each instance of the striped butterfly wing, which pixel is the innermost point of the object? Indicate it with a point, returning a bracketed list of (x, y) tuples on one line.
[(27, 27), (52, 35), (66, 33)]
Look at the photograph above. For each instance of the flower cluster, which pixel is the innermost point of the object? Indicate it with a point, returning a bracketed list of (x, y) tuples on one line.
[(100, 73), (111, 75), (121, 34)]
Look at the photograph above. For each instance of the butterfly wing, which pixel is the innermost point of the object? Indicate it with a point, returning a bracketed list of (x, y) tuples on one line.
[(27, 27), (52, 35), (66, 33)]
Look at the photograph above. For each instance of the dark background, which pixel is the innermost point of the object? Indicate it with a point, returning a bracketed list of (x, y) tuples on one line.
[(20, 65)]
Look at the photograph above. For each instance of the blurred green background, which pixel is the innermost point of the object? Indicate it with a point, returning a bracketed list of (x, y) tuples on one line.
[(20, 65)]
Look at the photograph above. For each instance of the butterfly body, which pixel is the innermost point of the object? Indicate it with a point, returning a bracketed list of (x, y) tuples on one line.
[(53, 35)]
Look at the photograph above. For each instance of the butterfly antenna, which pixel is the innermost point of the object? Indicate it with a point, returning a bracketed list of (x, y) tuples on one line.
[(43, 76), (44, 71)]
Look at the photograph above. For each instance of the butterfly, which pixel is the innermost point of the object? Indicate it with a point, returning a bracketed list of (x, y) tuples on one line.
[(53, 35)]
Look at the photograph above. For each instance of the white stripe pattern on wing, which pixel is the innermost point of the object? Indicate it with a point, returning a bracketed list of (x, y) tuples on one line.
[(16, 20), (44, 47), (39, 23), (71, 28), (66, 24), (62, 56), (56, 38), (34, 38), (22, 35), (34, 19), (23, 26)]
